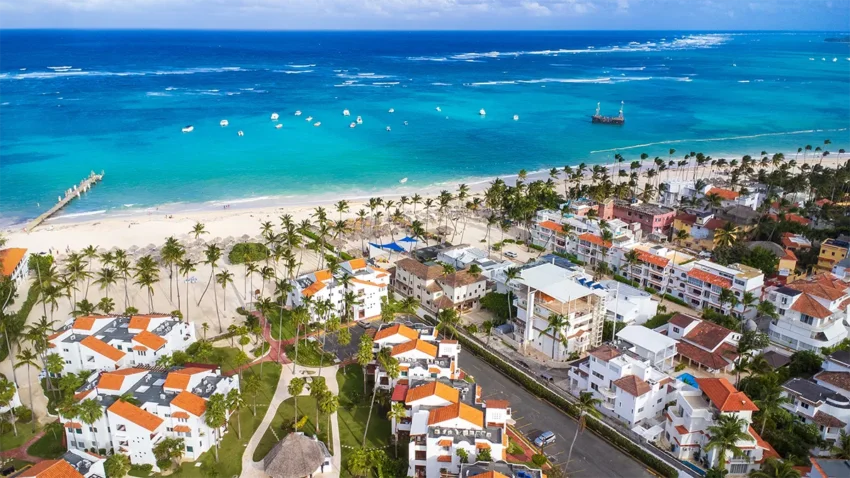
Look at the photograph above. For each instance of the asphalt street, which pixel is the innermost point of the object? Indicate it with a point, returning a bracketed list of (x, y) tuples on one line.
[(592, 456)]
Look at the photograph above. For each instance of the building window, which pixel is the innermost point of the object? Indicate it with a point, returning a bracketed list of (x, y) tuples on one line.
[(122, 428), (807, 319), (804, 405), (676, 329), (189, 449), (598, 375), (640, 410)]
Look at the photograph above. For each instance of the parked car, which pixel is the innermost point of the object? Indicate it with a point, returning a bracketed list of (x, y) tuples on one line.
[(524, 364), (510, 254), (545, 438)]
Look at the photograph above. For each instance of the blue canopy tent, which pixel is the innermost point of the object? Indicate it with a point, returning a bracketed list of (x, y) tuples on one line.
[(392, 246)]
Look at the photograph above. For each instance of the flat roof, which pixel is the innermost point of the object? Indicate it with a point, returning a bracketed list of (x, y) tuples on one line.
[(646, 338), (555, 282)]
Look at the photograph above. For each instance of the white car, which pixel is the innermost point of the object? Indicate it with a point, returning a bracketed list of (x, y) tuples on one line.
[(511, 254)]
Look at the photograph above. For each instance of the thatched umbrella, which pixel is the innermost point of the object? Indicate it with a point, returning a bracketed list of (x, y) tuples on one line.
[(296, 456)]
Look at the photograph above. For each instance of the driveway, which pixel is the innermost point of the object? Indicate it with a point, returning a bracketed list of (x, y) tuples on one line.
[(592, 456)]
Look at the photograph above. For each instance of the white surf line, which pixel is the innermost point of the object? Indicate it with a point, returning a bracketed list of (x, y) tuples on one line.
[(729, 138)]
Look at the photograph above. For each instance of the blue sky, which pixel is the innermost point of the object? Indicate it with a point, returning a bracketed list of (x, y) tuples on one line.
[(430, 14)]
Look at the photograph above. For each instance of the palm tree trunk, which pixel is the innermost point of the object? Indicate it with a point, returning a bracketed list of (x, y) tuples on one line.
[(369, 417), (179, 305), (570, 453), (188, 302), (29, 379)]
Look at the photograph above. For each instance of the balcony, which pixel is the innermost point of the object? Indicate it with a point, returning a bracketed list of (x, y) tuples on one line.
[(608, 404), (607, 392)]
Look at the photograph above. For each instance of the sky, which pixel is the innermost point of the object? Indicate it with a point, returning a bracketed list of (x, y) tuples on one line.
[(829, 15)]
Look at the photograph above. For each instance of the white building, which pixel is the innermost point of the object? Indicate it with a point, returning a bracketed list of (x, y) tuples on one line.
[(435, 291), (73, 464), (630, 387), (688, 422), (704, 344), (170, 404), (699, 284), (675, 191), (446, 417), (654, 267), (548, 232), (546, 289), (14, 262), (106, 342), (420, 355), (812, 312), (627, 304), (368, 283)]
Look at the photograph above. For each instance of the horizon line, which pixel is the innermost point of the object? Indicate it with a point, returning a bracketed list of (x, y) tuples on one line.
[(413, 30)]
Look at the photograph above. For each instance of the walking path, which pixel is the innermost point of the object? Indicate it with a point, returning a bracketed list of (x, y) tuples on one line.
[(20, 453), (252, 469)]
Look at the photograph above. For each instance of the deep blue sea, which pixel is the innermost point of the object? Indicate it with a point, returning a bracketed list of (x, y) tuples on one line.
[(76, 101)]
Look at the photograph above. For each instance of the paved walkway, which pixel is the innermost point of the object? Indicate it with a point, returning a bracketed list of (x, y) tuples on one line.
[(20, 452)]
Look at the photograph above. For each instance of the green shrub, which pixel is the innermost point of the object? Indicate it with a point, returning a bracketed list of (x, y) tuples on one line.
[(676, 300), (39, 262), (498, 304), (248, 252), (472, 328), (539, 459), (5, 427), (619, 278), (650, 290), (680, 367), (536, 247), (514, 449), (23, 414), (658, 320)]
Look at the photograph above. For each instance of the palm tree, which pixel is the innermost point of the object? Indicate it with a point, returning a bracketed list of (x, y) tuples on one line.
[(89, 412), (747, 300), (726, 235), (775, 468), (212, 254), (251, 387), (235, 403), (771, 401), (586, 405), (205, 327), (215, 416), (122, 266), (147, 274), (106, 304), (106, 278), (90, 253), (198, 230), (396, 413), (185, 266), (222, 278), (511, 273), (725, 435), (555, 324), (841, 449), (28, 358)]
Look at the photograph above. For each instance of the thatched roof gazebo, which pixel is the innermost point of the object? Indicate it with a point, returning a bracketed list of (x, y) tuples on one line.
[(296, 456)]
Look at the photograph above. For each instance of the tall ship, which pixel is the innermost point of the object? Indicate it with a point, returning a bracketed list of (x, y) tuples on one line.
[(598, 118)]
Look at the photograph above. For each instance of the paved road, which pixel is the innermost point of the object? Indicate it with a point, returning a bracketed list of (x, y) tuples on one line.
[(592, 456)]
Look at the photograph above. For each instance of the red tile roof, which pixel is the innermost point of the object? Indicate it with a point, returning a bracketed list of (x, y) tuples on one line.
[(649, 258), (10, 258), (702, 357), (789, 255), (51, 469), (180, 415), (420, 345), (439, 389), (682, 320), (726, 194), (456, 410), (114, 380), (689, 219), (444, 458), (594, 239), (140, 417), (605, 352), (313, 288), (150, 340), (552, 226), (399, 392), (633, 385), (724, 396), (103, 348), (403, 330), (826, 286), (182, 429), (769, 452), (501, 404), (190, 402), (179, 379), (828, 420), (837, 379), (806, 304), (710, 278), (682, 430), (708, 335)]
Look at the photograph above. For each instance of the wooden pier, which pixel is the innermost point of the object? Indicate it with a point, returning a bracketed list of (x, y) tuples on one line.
[(70, 195)]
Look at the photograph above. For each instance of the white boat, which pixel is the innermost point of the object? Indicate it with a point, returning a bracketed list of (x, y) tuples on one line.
[(240, 133), (516, 117), (359, 120), (278, 126), (309, 118), (438, 109), (405, 123), (388, 128), (298, 113), (352, 125), (482, 112), (346, 113), (317, 123), (835, 59), (403, 180), (188, 129), (275, 116), (223, 123), (392, 110)]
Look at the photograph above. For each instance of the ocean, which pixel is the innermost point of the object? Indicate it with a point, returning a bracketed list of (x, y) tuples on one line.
[(76, 101)]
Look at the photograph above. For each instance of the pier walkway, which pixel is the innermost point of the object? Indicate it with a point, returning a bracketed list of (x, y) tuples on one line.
[(70, 195)]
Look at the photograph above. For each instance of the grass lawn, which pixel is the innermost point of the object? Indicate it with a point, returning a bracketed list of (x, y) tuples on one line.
[(232, 447), (353, 413), (282, 333), (225, 357), (18, 464), (309, 354), (285, 415), (48, 446), (9, 440)]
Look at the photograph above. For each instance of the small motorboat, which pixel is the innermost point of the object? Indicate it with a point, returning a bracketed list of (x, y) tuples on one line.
[(388, 128), (317, 123), (223, 123), (403, 180), (188, 129), (482, 112), (352, 125), (240, 133), (405, 123), (391, 110), (278, 126), (298, 113), (346, 113), (359, 120), (308, 119), (834, 59), (438, 109), (275, 116), (516, 117)]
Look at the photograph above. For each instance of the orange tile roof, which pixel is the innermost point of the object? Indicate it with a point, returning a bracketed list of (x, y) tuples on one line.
[(140, 348), (481, 445), (498, 404), (826, 286), (789, 255), (490, 474), (726, 194), (404, 330), (190, 402), (594, 239), (73, 425), (182, 429), (445, 442), (179, 379), (420, 345), (140, 417), (447, 393), (365, 282), (605, 353), (806, 304), (682, 430), (149, 340), (769, 452), (86, 323), (633, 385), (114, 380), (10, 258), (710, 278), (139, 322), (724, 396), (552, 226), (81, 395), (51, 469), (103, 348), (323, 275), (456, 410), (433, 369), (444, 458), (649, 258), (313, 288), (180, 415), (357, 263)]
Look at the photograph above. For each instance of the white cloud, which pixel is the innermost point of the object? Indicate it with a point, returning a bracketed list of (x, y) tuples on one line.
[(536, 9)]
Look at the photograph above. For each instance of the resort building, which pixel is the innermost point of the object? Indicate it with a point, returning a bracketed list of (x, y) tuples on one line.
[(652, 218), (654, 267), (368, 283), (107, 342), (701, 225), (549, 234), (811, 313), (13, 263), (831, 252), (420, 355), (464, 256), (436, 291), (795, 242), (814, 403), (702, 343), (699, 284), (546, 290), (688, 422), (169, 404), (630, 387), (73, 464), (447, 419), (628, 304), (827, 468)]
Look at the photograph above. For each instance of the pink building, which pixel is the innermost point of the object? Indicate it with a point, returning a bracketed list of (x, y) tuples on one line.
[(652, 218)]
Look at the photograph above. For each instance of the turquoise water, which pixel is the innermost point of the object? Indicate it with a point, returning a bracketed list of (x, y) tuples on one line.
[(75, 101), (689, 379)]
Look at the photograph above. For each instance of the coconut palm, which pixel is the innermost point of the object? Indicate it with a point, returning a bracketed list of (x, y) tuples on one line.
[(185, 266), (223, 278), (90, 252), (106, 304), (146, 275), (235, 403), (105, 279), (726, 235), (215, 416), (747, 300), (511, 273), (771, 401), (586, 405), (724, 437), (89, 412), (212, 253), (556, 323), (841, 449), (198, 230), (122, 267), (7, 393), (396, 413), (775, 468), (28, 358)]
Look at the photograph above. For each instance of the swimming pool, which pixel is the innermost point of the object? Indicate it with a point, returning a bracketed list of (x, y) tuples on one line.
[(689, 379)]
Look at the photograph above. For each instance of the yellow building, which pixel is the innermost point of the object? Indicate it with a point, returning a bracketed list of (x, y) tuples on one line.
[(832, 251)]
